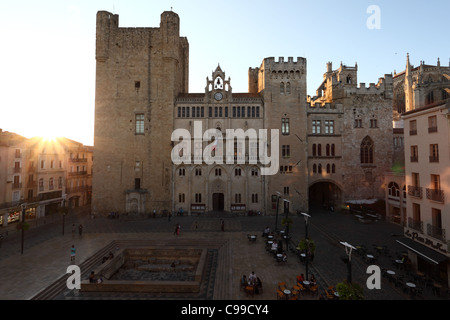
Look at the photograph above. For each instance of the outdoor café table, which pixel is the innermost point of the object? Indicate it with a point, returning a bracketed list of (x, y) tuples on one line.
[(287, 292), (306, 282), (411, 285), (270, 237), (390, 272)]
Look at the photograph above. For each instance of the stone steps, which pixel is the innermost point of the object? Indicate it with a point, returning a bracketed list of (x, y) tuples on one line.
[(60, 285)]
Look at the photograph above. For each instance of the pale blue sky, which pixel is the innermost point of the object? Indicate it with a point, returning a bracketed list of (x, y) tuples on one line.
[(47, 52)]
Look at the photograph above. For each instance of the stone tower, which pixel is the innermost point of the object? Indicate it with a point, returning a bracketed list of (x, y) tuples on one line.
[(282, 84), (139, 72)]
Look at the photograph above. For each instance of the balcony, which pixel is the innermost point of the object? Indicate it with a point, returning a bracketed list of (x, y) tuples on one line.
[(78, 159), (17, 185), (77, 173), (434, 158), (412, 132), (435, 195), (416, 225), (432, 129), (415, 191), (435, 232), (414, 159)]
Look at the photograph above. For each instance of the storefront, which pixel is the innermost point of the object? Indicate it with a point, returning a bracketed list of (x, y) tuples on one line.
[(428, 256)]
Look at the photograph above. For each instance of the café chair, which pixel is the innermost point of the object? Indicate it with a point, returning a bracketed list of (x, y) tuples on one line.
[(280, 295)]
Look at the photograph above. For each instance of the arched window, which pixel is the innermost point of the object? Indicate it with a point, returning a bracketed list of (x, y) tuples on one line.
[(314, 168), (319, 168), (333, 168), (288, 88), (319, 150), (332, 149), (327, 150), (367, 147), (328, 168), (282, 87), (394, 190), (314, 149)]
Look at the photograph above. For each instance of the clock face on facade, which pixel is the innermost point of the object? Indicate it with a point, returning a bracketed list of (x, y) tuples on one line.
[(218, 96)]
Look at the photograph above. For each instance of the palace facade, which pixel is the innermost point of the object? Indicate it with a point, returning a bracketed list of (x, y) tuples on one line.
[(326, 149)]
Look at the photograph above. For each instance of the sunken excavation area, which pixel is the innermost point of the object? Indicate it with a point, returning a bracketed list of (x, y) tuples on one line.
[(150, 270)]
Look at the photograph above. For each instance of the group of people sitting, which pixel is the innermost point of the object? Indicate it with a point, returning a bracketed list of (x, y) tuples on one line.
[(312, 280), (252, 284)]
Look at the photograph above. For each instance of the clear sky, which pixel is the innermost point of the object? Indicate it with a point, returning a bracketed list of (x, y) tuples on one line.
[(47, 48)]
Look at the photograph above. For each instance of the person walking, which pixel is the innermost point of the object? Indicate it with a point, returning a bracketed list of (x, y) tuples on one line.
[(80, 229), (177, 229), (72, 253)]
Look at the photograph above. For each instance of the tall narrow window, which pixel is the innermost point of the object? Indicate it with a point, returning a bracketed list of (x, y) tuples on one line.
[(412, 127), (139, 123), (285, 126), (432, 124), (414, 153), (286, 151), (367, 150), (434, 153), (329, 126), (316, 126)]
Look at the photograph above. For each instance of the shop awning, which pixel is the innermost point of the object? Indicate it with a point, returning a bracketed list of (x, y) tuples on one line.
[(423, 251)]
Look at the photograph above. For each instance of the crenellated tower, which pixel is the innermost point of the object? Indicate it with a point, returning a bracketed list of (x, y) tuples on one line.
[(139, 73)]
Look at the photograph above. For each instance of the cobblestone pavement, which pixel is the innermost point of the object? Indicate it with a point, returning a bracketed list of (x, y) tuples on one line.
[(46, 251)]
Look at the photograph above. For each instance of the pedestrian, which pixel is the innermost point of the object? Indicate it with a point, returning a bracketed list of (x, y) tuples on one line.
[(154, 213), (72, 254), (177, 229), (92, 277), (222, 225), (80, 229), (170, 216)]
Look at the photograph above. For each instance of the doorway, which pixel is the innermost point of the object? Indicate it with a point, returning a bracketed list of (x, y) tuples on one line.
[(218, 201)]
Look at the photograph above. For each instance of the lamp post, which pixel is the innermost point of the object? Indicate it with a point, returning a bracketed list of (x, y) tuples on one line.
[(64, 213), (306, 216), (23, 205), (276, 217), (286, 221), (348, 251)]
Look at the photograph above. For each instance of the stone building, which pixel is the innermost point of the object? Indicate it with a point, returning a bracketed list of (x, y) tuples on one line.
[(139, 74), (350, 137), (332, 148)]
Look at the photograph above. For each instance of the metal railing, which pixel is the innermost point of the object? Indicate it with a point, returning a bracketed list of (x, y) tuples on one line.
[(415, 191), (435, 232), (416, 225), (435, 195)]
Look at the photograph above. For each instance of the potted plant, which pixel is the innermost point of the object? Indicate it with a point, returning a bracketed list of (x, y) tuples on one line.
[(349, 291)]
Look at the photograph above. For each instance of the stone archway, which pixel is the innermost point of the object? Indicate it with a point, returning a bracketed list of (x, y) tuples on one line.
[(323, 194)]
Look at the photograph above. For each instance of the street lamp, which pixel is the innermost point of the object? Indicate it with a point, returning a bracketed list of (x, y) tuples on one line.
[(348, 251), (23, 205), (276, 217), (306, 216), (286, 222), (64, 213)]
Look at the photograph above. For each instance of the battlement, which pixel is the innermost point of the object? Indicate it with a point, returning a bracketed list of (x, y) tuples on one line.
[(282, 63), (384, 85)]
